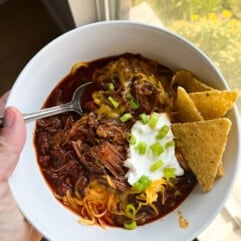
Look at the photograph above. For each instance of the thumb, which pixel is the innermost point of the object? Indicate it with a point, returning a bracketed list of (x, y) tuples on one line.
[(12, 139)]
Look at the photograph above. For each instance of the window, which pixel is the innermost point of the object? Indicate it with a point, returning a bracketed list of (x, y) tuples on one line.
[(212, 25)]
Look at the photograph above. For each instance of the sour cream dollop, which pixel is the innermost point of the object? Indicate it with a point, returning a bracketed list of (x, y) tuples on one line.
[(149, 163)]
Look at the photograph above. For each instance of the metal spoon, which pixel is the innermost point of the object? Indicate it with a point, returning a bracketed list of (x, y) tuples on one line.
[(73, 105)]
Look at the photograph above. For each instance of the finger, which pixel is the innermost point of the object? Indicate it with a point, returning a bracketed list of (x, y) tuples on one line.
[(3, 101), (4, 97), (34, 235), (12, 139)]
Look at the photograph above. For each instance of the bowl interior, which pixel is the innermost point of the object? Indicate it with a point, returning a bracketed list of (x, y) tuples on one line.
[(54, 62)]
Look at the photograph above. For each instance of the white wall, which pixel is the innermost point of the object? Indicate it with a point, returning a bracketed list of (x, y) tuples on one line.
[(83, 11)]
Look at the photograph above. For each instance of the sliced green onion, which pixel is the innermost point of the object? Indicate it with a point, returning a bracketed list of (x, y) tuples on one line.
[(113, 102), (139, 186), (143, 117), (162, 132), (153, 120), (129, 96), (156, 165), (130, 211), (142, 184), (157, 149), (170, 143), (141, 147), (125, 117), (134, 104), (111, 87), (130, 224), (131, 139), (169, 172), (177, 193)]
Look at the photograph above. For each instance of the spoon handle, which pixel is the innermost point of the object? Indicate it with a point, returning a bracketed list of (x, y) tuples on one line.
[(45, 112)]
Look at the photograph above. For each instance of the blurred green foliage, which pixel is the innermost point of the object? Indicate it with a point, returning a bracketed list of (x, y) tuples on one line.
[(219, 36), (212, 25)]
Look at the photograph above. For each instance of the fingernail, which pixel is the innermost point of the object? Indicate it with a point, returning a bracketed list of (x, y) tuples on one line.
[(9, 118)]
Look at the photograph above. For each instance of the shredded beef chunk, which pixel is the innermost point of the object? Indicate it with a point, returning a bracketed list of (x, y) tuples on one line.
[(111, 157), (43, 141), (101, 147), (58, 177), (50, 124), (87, 157), (112, 130), (147, 94)]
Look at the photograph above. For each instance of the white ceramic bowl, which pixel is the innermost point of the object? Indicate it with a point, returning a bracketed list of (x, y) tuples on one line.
[(54, 62)]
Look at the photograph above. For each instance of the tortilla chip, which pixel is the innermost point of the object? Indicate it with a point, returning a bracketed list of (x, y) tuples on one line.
[(214, 104), (185, 108), (220, 172), (188, 82), (202, 145)]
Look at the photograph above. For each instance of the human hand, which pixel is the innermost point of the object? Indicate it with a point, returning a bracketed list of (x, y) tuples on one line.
[(13, 226), (3, 100)]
